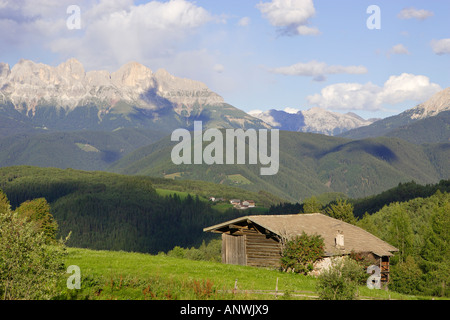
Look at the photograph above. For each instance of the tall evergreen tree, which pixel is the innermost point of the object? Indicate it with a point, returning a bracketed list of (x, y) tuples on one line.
[(311, 205), (341, 210), (4, 202), (400, 231), (436, 252)]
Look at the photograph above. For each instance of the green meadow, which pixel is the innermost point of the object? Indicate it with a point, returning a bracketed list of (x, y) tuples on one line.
[(118, 275)]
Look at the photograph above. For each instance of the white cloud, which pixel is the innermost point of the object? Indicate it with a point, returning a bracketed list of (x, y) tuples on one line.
[(318, 70), (113, 32), (399, 49), (255, 112), (413, 13), (291, 110), (31, 24), (244, 22), (407, 87), (219, 68), (291, 16), (370, 97), (347, 96), (307, 31), (441, 46)]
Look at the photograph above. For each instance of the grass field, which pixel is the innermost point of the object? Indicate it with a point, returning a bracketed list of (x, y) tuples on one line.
[(87, 147), (173, 175), (134, 276), (238, 179)]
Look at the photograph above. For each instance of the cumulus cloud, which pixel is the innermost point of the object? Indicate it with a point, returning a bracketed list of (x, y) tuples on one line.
[(371, 97), (413, 13), (290, 16), (318, 70), (398, 49), (441, 47), (244, 22), (218, 68), (113, 32), (29, 24), (291, 110), (129, 32), (255, 112)]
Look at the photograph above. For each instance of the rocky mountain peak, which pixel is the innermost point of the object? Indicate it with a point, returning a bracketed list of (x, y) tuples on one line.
[(181, 90), (436, 104), (71, 69), (132, 74), (29, 85), (316, 120)]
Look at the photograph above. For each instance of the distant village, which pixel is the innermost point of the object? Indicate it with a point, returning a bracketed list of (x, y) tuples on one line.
[(237, 203)]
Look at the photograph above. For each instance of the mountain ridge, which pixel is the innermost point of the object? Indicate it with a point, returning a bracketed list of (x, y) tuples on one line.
[(71, 84), (66, 97), (435, 107), (314, 120), (310, 164)]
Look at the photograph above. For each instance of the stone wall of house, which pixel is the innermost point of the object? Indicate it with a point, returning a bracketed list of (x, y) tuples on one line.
[(323, 264)]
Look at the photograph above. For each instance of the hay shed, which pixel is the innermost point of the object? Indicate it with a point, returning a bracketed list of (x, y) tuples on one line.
[(256, 240)]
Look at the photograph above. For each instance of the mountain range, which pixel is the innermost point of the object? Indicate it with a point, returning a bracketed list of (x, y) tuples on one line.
[(315, 120), (310, 164), (66, 117), (36, 96), (429, 122)]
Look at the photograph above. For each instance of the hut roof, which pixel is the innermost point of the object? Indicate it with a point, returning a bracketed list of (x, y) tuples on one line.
[(355, 238)]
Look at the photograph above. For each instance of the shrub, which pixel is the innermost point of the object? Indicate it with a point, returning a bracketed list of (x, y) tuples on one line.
[(299, 254), (340, 281), (177, 252), (206, 252)]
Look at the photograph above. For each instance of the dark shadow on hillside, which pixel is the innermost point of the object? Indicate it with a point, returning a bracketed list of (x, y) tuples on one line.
[(377, 150), (162, 105), (110, 156)]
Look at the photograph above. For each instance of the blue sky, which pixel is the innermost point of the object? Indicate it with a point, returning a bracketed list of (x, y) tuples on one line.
[(259, 55)]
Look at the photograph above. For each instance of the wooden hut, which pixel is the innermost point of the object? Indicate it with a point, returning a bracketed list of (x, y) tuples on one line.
[(256, 240)]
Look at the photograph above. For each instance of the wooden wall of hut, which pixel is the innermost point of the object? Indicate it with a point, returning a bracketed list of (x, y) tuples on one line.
[(247, 246)]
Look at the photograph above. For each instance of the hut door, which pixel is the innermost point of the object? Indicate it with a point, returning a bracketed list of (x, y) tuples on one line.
[(233, 250)]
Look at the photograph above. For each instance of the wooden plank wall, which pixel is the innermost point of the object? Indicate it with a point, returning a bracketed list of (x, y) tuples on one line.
[(233, 249), (261, 251), (250, 247)]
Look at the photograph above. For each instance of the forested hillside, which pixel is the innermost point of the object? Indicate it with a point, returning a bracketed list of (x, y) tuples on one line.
[(83, 150), (142, 214), (414, 218), (420, 229), (310, 164), (131, 213)]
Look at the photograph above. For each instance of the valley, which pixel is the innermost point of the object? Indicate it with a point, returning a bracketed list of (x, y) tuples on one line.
[(122, 121), (97, 147)]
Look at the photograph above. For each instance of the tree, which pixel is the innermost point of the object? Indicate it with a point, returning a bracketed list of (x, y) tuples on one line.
[(29, 267), (341, 210), (38, 211), (311, 205), (435, 253), (406, 277), (4, 202), (400, 231)]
